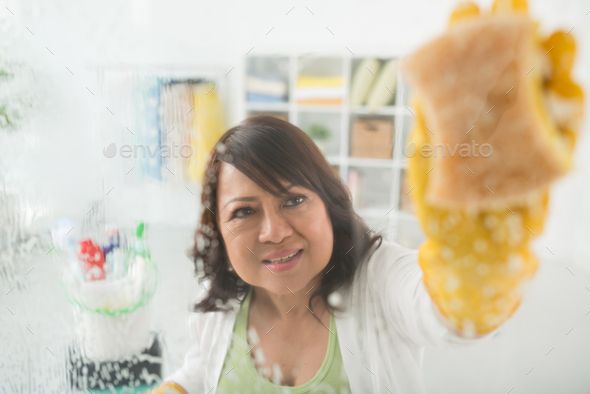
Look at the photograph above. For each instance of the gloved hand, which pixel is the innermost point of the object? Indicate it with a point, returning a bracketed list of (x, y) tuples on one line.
[(489, 79), (168, 388)]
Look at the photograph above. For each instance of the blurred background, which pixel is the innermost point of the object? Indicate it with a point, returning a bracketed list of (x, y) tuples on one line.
[(107, 113)]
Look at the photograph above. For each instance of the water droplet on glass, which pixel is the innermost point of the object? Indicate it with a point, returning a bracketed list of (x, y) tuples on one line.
[(220, 147), (410, 150), (335, 299)]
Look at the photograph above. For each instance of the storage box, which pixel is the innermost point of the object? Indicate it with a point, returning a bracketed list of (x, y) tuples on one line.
[(372, 138)]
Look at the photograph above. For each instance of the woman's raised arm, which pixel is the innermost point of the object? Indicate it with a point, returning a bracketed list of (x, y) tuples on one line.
[(489, 81)]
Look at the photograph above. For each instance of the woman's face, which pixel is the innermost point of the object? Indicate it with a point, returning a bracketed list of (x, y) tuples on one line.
[(255, 224)]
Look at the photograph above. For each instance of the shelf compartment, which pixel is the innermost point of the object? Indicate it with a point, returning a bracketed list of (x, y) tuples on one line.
[(267, 79), (373, 83), (320, 81), (316, 123), (370, 187)]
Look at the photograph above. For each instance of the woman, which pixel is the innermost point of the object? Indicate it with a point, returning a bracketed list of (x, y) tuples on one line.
[(301, 297), (328, 307)]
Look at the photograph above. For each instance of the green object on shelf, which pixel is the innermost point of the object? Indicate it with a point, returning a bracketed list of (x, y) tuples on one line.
[(318, 132)]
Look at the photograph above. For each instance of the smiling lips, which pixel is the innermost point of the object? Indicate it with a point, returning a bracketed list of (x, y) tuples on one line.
[(282, 256), (284, 264)]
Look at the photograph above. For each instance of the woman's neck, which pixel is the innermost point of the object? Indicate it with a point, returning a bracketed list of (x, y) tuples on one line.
[(290, 305)]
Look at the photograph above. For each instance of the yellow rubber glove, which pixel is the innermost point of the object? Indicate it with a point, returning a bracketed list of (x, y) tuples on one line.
[(480, 214), (168, 388)]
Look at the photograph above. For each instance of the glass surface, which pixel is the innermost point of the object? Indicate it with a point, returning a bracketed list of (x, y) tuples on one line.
[(77, 77)]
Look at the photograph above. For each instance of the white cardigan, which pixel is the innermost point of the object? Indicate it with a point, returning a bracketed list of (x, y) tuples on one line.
[(389, 319)]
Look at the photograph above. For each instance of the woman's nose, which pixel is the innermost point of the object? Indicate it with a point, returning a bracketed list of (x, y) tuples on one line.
[(275, 227)]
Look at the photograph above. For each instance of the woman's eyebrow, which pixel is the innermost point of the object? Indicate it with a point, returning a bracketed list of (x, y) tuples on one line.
[(240, 199), (250, 198)]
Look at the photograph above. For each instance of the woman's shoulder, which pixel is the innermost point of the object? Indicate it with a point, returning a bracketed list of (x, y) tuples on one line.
[(208, 333), (382, 261), (202, 323)]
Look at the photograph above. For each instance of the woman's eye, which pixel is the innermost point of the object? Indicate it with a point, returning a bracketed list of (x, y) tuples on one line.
[(298, 200), (240, 213)]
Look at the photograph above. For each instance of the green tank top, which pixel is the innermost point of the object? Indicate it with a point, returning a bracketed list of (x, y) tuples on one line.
[(239, 373)]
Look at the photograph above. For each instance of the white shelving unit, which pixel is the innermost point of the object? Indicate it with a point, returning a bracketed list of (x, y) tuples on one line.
[(386, 216)]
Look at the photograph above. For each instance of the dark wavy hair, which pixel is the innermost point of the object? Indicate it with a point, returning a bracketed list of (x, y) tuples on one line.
[(267, 149)]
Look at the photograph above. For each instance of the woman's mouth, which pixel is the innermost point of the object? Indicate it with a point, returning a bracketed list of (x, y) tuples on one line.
[(284, 263)]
